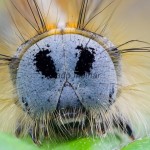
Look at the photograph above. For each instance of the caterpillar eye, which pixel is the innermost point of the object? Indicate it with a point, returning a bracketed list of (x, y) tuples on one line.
[(66, 71)]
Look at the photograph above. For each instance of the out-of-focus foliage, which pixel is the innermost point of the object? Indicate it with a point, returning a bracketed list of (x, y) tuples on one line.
[(143, 144), (8, 142)]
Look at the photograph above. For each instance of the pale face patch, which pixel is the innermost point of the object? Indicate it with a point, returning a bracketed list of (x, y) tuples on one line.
[(63, 72)]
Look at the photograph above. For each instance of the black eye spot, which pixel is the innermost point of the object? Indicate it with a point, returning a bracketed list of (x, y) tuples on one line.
[(85, 61), (45, 64)]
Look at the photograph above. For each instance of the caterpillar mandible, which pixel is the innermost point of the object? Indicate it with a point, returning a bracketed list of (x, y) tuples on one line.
[(71, 69)]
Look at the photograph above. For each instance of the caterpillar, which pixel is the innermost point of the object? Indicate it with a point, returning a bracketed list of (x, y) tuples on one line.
[(71, 69)]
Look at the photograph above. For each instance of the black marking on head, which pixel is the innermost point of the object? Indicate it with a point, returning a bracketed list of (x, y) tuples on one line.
[(76, 54), (111, 93), (110, 101), (49, 100), (48, 45), (89, 97), (86, 59), (93, 50), (23, 100), (26, 104), (45, 64)]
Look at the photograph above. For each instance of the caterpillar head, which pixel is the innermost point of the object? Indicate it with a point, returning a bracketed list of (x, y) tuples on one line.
[(68, 77)]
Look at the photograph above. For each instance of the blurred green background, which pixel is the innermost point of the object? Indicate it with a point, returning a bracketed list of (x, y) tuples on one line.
[(9, 142)]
